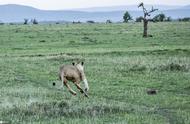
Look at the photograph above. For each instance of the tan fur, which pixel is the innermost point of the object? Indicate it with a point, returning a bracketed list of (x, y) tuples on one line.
[(74, 73)]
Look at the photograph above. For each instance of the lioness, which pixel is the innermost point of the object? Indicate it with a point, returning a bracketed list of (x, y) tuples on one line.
[(74, 73)]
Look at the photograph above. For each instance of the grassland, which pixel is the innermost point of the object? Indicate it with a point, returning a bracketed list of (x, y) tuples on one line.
[(120, 66)]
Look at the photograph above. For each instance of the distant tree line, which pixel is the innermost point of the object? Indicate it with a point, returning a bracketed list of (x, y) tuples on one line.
[(186, 19), (157, 18), (126, 18), (162, 18)]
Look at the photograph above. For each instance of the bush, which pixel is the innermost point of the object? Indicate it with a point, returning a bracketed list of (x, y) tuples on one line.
[(139, 19), (186, 19), (159, 18), (173, 67), (76, 22), (34, 21), (12, 23), (108, 21), (168, 19), (90, 21)]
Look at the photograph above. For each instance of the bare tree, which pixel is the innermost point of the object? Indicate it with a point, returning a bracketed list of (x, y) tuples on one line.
[(145, 19)]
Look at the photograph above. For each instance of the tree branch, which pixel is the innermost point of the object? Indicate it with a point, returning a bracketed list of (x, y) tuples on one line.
[(152, 10), (146, 13)]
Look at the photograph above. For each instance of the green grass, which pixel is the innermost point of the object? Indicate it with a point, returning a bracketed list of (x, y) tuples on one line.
[(120, 67)]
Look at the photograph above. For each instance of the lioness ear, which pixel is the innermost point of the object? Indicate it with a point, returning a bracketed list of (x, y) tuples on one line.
[(73, 63), (82, 63)]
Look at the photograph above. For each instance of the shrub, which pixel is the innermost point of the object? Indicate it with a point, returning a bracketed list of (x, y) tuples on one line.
[(108, 21), (90, 21), (173, 67), (139, 19), (186, 19), (168, 19), (34, 21), (159, 18)]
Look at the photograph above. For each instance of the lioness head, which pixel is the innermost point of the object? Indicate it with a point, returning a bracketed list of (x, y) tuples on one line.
[(80, 66)]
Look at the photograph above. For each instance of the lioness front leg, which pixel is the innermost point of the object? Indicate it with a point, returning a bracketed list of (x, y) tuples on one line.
[(81, 90)]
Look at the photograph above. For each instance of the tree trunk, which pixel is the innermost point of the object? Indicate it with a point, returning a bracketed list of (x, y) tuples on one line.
[(145, 21)]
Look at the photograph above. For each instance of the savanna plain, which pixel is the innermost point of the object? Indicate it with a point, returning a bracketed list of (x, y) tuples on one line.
[(120, 66)]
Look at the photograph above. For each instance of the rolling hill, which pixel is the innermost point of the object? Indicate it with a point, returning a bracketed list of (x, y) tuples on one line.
[(17, 13)]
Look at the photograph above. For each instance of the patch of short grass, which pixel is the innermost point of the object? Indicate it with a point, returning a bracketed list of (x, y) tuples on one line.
[(120, 67)]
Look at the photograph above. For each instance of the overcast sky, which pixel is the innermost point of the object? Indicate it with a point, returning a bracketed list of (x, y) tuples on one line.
[(71, 4)]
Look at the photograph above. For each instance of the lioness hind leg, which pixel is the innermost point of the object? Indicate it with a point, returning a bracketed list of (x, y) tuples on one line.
[(70, 90)]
